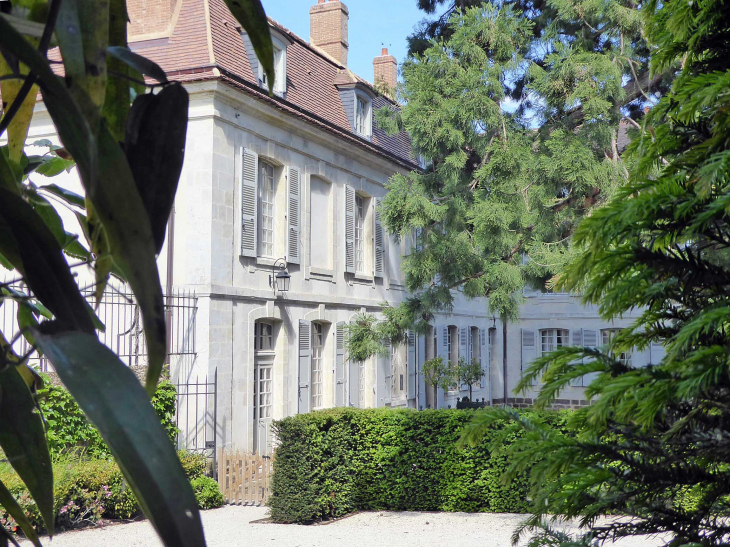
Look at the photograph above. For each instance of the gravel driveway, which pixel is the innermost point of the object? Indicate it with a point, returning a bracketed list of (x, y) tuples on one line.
[(231, 526)]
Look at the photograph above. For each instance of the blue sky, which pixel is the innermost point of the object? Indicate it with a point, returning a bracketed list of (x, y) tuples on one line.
[(373, 24)]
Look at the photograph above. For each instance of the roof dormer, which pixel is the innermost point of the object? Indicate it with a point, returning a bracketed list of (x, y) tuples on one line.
[(280, 43), (357, 102)]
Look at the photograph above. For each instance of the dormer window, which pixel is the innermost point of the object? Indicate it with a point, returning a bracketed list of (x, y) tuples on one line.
[(363, 116), (279, 69)]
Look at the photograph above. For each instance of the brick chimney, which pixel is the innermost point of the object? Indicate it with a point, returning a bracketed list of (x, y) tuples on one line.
[(150, 17), (385, 69), (328, 28)]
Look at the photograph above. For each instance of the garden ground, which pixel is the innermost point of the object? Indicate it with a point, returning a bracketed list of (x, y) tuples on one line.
[(232, 526)]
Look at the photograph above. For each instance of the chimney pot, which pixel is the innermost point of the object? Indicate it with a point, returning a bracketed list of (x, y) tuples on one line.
[(384, 52), (328, 23)]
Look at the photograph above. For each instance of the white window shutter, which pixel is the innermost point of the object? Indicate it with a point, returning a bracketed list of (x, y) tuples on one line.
[(378, 247), (590, 340), (249, 202), (305, 365), (486, 357), (529, 349), (411, 365), (657, 351), (463, 351), (293, 216), (349, 229), (340, 385), (576, 339), (384, 377)]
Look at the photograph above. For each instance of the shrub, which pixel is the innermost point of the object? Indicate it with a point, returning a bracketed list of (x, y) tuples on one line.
[(194, 464), (68, 430), (207, 492), (333, 462)]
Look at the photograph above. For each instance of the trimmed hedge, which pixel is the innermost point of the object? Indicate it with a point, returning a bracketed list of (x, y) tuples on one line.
[(89, 491), (333, 462)]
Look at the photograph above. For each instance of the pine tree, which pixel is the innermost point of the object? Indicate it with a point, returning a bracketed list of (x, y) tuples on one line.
[(522, 125), (654, 445)]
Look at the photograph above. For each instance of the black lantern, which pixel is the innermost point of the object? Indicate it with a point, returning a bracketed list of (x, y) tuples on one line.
[(280, 280)]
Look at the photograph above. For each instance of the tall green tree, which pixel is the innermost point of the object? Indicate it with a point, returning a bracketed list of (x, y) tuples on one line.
[(521, 113), (129, 156), (654, 443)]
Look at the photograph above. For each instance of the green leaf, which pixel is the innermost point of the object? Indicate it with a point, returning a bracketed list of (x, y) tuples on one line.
[(23, 440), (118, 205), (67, 195), (53, 165), (72, 125), (11, 175), (11, 506), (138, 63), (251, 15), (41, 258), (155, 148), (22, 299), (114, 401), (118, 96)]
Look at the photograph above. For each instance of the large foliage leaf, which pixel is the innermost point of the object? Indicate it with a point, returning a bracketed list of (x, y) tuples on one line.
[(70, 121), (118, 96), (138, 63), (114, 401), (155, 148), (251, 15), (14, 510), (41, 258), (117, 202), (23, 440)]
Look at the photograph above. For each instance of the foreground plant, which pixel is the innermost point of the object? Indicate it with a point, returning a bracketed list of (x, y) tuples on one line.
[(655, 443), (129, 155)]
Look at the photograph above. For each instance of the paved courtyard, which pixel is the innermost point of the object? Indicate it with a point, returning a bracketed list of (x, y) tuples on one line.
[(232, 526)]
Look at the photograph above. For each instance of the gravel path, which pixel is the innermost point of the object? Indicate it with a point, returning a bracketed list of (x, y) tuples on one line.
[(231, 526)]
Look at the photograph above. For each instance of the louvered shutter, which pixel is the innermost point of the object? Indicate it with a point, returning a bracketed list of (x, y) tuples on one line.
[(384, 378), (529, 349), (349, 229), (249, 202), (577, 340), (485, 356), (411, 365), (305, 365), (657, 351), (443, 352), (293, 216), (378, 247), (353, 383), (340, 385), (463, 351), (590, 340)]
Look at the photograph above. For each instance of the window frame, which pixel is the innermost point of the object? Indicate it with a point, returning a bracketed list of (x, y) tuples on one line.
[(279, 67), (556, 338), (360, 243), (318, 365), (262, 180), (607, 336), (363, 125), (260, 337)]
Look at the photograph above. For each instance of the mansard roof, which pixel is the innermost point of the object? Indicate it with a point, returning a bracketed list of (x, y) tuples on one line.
[(206, 44)]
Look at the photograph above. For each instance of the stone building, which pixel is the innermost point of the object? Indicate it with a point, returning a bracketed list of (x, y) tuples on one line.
[(295, 179)]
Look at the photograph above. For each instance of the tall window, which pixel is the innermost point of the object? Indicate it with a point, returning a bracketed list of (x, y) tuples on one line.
[(279, 69), (263, 336), (320, 204), (317, 365), (359, 234), (398, 370), (476, 346), (266, 198), (362, 117), (361, 385), (453, 351), (607, 336), (262, 391), (550, 339)]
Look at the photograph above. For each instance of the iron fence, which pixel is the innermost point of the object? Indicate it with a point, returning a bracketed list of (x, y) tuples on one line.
[(123, 330), (196, 415)]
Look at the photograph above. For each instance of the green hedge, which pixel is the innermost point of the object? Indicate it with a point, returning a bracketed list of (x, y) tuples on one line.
[(88, 491), (333, 462), (68, 430)]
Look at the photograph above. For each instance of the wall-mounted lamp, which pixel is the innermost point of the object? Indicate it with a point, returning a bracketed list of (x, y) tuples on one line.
[(494, 322), (279, 280)]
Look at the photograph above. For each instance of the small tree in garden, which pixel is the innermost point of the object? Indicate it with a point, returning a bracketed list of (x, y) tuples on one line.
[(127, 145), (469, 373), (438, 374)]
